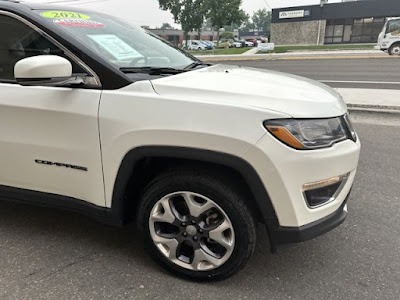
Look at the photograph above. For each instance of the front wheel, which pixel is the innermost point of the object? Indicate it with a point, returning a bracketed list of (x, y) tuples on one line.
[(394, 49), (196, 225)]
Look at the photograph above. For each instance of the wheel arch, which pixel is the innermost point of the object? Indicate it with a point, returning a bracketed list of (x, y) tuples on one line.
[(153, 158)]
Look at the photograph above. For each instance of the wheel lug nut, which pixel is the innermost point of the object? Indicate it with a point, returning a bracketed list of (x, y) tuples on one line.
[(193, 222), (183, 224), (195, 238), (184, 234), (201, 230)]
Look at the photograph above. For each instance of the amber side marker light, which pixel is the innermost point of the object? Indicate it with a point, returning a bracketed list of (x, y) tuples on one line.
[(285, 136), (324, 183)]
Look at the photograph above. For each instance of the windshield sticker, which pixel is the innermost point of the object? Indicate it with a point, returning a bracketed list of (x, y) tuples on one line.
[(58, 14), (115, 46), (79, 23)]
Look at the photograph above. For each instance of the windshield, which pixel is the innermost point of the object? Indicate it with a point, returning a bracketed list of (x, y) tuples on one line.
[(393, 27), (119, 43)]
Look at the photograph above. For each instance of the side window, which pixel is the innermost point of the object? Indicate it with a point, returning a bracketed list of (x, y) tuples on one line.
[(18, 41)]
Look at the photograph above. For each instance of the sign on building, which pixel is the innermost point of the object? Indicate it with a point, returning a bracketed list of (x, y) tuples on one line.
[(292, 14)]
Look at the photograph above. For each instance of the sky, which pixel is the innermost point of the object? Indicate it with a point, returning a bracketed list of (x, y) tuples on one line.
[(147, 12)]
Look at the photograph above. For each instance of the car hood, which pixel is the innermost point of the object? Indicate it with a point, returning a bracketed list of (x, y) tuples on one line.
[(233, 85)]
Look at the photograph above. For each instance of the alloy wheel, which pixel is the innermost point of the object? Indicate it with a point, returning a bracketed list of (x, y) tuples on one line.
[(192, 231)]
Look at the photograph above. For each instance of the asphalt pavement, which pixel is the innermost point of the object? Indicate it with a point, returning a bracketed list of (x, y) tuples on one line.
[(50, 254), (339, 72)]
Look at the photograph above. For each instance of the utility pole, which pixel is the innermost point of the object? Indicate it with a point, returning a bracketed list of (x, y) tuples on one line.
[(269, 6), (322, 3)]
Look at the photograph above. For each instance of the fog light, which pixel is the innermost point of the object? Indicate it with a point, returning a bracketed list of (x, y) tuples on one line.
[(322, 192)]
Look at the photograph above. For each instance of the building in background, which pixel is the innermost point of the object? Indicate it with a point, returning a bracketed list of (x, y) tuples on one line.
[(253, 34), (350, 21), (175, 36)]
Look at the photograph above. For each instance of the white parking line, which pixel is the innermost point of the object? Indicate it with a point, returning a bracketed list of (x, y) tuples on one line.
[(364, 82)]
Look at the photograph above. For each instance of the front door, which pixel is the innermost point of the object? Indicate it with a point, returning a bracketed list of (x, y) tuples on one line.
[(49, 136)]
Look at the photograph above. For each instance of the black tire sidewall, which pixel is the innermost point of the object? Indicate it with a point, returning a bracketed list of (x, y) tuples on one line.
[(230, 201), (392, 47)]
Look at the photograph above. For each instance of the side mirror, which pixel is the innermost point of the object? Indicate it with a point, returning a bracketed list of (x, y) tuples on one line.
[(45, 70)]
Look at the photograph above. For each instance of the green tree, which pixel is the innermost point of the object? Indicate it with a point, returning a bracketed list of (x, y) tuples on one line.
[(188, 13), (247, 24), (223, 12), (231, 27), (262, 20), (166, 26), (227, 35)]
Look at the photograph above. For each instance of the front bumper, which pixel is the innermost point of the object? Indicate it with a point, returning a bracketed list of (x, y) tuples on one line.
[(287, 235), (283, 172)]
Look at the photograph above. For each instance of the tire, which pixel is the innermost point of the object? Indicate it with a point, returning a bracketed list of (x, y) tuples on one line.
[(236, 230), (394, 49)]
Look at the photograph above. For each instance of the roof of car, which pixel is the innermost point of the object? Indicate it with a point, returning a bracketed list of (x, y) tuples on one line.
[(38, 6)]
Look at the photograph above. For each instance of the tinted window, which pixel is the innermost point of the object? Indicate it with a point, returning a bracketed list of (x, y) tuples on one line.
[(18, 41)]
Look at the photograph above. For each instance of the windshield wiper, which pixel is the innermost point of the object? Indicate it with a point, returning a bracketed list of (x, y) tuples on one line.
[(152, 70), (196, 64)]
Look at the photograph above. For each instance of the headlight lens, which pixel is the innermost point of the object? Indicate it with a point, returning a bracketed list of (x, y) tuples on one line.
[(307, 134)]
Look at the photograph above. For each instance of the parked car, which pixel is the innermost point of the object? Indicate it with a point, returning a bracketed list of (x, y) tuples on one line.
[(254, 41), (194, 45), (209, 45), (242, 42), (223, 43), (103, 118), (237, 44), (197, 45), (231, 43), (249, 44)]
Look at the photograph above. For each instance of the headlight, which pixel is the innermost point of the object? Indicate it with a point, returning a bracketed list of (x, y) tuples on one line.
[(307, 134)]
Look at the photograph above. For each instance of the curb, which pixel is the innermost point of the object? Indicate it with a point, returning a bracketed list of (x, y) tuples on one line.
[(370, 111), (388, 117), (242, 57), (334, 57), (374, 108), (229, 58)]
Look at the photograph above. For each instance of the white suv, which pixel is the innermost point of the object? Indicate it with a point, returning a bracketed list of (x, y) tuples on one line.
[(109, 120)]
